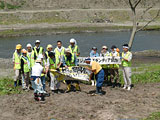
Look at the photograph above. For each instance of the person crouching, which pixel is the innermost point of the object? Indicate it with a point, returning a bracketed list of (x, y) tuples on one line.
[(99, 74), (37, 70)]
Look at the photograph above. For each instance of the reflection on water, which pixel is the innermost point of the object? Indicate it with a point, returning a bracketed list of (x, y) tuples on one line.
[(144, 40)]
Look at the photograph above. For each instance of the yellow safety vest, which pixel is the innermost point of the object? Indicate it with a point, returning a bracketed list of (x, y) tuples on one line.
[(25, 66), (17, 61), (69, 63), (59, 53), (106, 66), (43, 65), (31, 59), (114, 65), (125, 63), (40, 51), (53, 65), (75, 50)]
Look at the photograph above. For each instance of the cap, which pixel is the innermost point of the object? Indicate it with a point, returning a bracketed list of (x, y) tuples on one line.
[(94, 48), (72, 40), (51, 54), (37, 41), (38, 60), (67, 50), (105, 47), (40, 56), (29, 45), (88, 59), (24, 51), (18, 46)]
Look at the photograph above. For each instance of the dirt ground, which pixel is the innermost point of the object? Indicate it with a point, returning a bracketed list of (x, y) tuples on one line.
[(116, 104)]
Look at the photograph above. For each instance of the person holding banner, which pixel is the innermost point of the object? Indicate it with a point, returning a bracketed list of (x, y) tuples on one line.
[(126, 66), (114, 68), (94, 53), (99, 74), (106, 68), (70, 60), (53, 63)]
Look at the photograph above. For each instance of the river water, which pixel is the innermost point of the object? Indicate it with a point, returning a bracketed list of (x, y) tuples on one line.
[(145, 40)]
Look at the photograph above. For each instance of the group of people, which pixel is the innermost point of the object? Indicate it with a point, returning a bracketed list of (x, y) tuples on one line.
[(33, 65)]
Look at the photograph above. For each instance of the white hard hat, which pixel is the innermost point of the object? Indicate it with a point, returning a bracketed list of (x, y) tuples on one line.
[(38, 60), (40, 56), (67, 50), (72, 40), (37, 41), (29, 45)]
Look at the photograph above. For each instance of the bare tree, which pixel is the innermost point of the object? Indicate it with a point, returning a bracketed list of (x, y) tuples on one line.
[(135, 29)]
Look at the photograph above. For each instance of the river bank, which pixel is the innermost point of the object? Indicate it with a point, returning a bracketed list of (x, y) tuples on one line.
[(63, 28)]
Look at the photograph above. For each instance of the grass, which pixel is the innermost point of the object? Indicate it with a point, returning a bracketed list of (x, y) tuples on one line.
[(4, 5), (7, 87), (153, 116)]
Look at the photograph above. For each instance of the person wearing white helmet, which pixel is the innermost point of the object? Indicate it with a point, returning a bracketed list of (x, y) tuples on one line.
[(37, 49), (37, 70), (105, 53), (30, 54), (74, 47)]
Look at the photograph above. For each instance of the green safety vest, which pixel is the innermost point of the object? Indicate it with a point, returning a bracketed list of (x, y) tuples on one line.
[(106, 66), (25, 66), (40, 51), (17, 61), (69, 63), (125, 63), (31, 59), (75, 50), (114, 65), (59, 53), (53, 65), (42, 74)]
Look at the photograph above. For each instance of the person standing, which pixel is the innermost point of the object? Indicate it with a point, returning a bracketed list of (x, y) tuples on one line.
[(37, 49), (99, 74), (49, 49), (94, 52), (106, 68), (17, 64), (59, 52), (30, 54), (74, 47), (37, 70), (25, 68), (126, 66), (52, 63), (114, 68), (70, 60)]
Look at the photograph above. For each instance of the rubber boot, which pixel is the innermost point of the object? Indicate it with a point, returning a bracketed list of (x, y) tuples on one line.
[(15, 83), (68, 88), (36, 97), (77, 87), (99, 90), (42, 97)]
